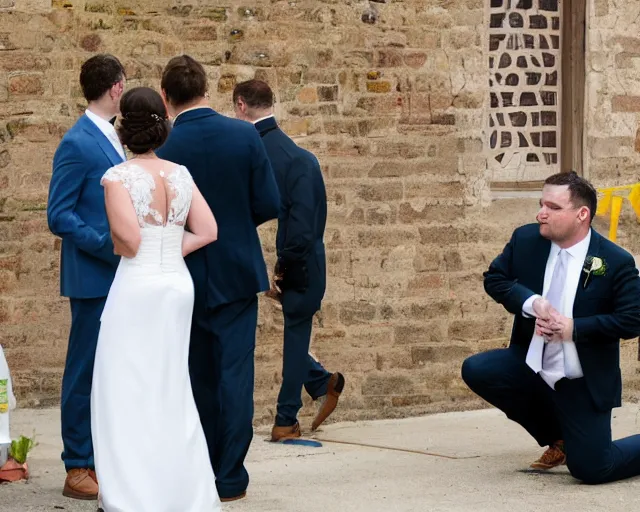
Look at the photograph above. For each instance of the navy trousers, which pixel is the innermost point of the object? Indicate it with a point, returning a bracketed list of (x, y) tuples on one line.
[(504, 380), (76, 383), (299, 368), (221, 365)]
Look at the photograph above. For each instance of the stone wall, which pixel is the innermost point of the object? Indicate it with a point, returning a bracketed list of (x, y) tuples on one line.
[(389, 95), (612, 126)]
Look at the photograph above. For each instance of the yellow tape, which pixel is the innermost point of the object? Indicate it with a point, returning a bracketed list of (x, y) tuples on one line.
[(611, 203)]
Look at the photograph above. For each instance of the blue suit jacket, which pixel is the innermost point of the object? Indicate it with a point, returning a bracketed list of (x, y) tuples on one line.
[(303, 216), (76, 211), (230, 167), (605, 310)]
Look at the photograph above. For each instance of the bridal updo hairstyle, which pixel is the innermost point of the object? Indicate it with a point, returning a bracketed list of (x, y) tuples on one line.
[(144, 125)]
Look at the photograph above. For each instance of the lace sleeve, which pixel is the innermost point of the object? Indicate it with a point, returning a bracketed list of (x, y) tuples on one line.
[(181, 185), (112, 174)]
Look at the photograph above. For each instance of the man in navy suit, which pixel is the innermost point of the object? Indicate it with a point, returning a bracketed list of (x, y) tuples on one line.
[(230, 167), (301, 267), (574, 294), (76, 213)]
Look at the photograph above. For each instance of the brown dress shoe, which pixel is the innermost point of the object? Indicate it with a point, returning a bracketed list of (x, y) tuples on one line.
[(282, 433), (334, 389), (80, 486), (552, 457), (234, 498)]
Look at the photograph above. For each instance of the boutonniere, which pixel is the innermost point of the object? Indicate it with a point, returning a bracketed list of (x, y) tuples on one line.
[(593, 265)]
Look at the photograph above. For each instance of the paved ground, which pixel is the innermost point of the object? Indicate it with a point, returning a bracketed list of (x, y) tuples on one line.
[(347, 478)]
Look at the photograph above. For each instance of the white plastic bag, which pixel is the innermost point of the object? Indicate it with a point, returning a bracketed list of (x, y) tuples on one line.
[(7, 399)]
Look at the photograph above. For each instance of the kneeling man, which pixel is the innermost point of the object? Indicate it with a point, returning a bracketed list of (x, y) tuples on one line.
[(574, 295)]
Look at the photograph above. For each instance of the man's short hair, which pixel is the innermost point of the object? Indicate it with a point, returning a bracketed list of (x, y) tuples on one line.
[(255, 93), (99, 74), (581, 191), (184, 80)]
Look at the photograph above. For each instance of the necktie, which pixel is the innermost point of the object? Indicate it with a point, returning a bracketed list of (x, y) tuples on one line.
[(554, 295), (540, 354), (553, 351)]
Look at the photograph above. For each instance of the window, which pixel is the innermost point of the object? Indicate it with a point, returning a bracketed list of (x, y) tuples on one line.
[(536, 90)]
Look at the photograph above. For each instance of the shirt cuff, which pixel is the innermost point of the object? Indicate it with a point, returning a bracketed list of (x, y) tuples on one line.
[(527, 307)]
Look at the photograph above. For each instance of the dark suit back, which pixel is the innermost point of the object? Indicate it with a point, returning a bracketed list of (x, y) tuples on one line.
[(230, 167), (605, 310), (303, 216)]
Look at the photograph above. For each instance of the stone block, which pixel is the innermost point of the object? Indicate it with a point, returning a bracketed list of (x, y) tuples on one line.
[(627, 103), (477, 329), (387, 237), (200, 32), (226, 83), (379, 87), (415, 59), (416, 189), (441, 354), (308, 95), (389, 58), (358, 312), (328, 93), (91, 42), (376, 384), (408, 214), (24, 62), (380, 105), (26, 85), (428, 281), (419, 334), (387, 191)]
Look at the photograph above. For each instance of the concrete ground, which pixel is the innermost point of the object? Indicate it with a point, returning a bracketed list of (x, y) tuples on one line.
[(489, 475)]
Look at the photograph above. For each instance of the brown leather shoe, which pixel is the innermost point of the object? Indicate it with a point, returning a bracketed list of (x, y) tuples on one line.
[(553, 456), (282, 433), (93, 475), (334, 389), (80, 486), (234, 498)]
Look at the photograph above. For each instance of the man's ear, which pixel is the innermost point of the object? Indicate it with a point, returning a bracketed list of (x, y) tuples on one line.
[(117, 90), (584, 213)]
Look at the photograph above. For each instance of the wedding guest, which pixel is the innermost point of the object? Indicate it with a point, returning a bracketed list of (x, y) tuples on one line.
[(574, 294), (300, 273), (76, 213), (229, 165)]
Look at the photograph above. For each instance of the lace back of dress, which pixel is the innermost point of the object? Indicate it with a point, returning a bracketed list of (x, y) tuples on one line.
[(159, 199)]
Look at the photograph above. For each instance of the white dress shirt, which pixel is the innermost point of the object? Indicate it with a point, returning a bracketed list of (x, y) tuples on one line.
[(262, 119), (108, 130), (553, 369)]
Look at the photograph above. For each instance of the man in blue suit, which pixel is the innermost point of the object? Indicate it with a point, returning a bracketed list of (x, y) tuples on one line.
[(574, 294), (230, 167), (301, 267), (76, 213)]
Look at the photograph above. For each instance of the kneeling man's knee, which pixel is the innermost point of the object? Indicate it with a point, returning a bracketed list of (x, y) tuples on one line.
[(472, 371), (589, 471)]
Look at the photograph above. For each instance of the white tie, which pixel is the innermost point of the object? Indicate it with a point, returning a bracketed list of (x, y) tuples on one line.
[(541, 355), (553, 351)]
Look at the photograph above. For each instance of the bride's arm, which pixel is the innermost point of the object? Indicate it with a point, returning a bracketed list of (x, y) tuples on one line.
[(123, 221), (201, 223)]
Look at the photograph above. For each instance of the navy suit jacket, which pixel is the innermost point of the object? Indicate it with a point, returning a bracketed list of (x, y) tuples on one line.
[(605, 310), (230, 167), (303, 216), (76, 211)]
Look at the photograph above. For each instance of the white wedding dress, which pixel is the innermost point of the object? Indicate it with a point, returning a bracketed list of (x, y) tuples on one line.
[(150, 451)]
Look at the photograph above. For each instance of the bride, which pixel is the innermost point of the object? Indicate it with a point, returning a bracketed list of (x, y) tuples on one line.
[(150, 450)]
